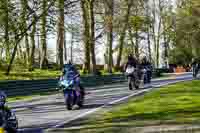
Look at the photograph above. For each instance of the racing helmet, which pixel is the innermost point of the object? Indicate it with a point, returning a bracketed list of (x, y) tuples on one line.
[(130, 56)]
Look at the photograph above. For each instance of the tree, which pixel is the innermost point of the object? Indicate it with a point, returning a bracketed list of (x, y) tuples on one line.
[(4, 11), (148, 25), (44, 60), (123, 32), (61, 32), (92, 34), (24, 15), (109, 13), (86, 34), (32, 57)]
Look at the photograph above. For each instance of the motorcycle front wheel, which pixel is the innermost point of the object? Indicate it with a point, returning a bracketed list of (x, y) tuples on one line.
[(68, 101)]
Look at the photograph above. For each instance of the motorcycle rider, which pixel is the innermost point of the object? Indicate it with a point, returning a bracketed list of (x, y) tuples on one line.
[(9, 118), (146, 65), (70, 72), (132, 62), (195, 67)]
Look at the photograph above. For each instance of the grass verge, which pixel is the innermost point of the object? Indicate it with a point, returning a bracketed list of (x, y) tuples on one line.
[(36, 74), (26, 75), (176, 104), (30, 97)]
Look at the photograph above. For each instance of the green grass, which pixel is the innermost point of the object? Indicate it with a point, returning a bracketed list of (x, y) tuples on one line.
[(28, 97), (26, 75), (36, 74), (172, 105), (20, 98)]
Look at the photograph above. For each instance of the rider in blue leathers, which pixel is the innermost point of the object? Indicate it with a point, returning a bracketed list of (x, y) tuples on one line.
[(71, 73)]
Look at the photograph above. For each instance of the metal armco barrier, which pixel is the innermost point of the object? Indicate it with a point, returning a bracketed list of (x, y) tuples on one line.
[(29, 87)]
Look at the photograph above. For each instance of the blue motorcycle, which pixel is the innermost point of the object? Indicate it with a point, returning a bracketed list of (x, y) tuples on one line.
[(72, 96)]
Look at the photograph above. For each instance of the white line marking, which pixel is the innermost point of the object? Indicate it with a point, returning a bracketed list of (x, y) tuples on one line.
[(113, 102), (127, 97), (79, 116)]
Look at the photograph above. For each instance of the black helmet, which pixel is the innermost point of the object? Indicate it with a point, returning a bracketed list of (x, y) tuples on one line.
[(2, 99), (130, 56)]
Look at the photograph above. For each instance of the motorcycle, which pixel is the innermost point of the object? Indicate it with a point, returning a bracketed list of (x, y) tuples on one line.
[(133, 80), (195, 70), (10, 124), (72, 96), (144, 76)]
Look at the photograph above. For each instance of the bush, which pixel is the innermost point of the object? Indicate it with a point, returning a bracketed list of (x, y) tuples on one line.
[(163, 70), (158, 72)]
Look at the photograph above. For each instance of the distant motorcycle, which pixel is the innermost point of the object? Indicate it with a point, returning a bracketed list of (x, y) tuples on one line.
[(144, 76), (195, 70), (133, 79), (72, 96)]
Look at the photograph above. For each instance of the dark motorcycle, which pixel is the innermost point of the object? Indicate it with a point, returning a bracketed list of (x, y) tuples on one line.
[(133, 79), (8, 122), (195, 70), (72, 96)]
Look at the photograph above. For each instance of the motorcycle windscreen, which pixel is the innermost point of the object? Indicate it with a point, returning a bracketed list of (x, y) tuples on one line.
[(68, 84)]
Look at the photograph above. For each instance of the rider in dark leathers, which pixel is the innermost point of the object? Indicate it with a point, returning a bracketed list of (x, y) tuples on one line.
[(132, 62), (145, 64), (195, 67), (7, 116)]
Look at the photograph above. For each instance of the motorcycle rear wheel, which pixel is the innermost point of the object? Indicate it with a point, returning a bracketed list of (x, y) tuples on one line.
[(69, 102)]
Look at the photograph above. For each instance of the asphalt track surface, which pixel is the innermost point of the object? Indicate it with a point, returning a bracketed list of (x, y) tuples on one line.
[(49, 111)]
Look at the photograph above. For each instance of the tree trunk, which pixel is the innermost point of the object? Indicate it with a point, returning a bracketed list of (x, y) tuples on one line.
[(123, 33), (44, 60), (20, 53), (32, 57), (27, 49), (17, 40), (1, 54), (71, 47), (65, 47), (131, 39), (86, 35), (6, 37), (158, 45), (137, 44), (109, 4), (24, 5), (61, 32), (148, 26), (92, 36), (149, 45), (165, 44), (159, 35), (154, 34), (39, 48)]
